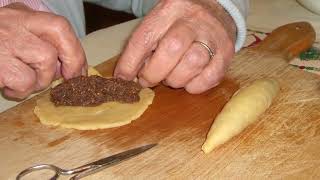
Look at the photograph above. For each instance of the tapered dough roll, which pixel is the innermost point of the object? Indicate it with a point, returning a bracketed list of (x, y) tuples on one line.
[(244, 108)]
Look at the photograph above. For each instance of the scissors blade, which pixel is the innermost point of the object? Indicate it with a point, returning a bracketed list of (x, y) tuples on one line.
[(117, 158), (111, 161)]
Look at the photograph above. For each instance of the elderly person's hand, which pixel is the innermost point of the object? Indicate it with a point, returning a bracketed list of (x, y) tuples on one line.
[(166, 46), (36, 47)]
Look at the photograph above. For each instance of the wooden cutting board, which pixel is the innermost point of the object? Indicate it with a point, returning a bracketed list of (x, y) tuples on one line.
[(284, 143)]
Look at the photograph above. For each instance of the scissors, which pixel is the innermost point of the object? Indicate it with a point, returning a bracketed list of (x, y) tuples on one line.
[(87, 169)]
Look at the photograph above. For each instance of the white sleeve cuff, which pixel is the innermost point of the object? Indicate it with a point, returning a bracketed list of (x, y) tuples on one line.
[(239, 20)]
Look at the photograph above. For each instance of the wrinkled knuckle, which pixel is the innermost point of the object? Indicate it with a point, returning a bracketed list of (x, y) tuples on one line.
[(48, 57), (195, 58), (26, 86), (51, 55), (60, 24), (143, 36), (201, 14), (173, 44)]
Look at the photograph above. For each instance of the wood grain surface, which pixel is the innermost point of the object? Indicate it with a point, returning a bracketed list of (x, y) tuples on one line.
[(284, 143)]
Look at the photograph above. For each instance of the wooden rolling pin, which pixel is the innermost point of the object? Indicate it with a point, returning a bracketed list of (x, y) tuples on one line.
[(289, 40)]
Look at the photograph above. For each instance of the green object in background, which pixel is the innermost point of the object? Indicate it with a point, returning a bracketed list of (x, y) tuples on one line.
[(311, 54)]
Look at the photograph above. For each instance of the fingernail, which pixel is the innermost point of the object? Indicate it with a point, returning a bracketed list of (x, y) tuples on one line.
[(116, 75), (135, 80), (121, 76)]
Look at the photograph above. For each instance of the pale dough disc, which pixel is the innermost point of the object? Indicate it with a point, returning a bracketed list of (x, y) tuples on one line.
[(106, 115)]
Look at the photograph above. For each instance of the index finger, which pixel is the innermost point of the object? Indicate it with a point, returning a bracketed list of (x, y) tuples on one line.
[(58, 31), (139, 47), (142, 43)]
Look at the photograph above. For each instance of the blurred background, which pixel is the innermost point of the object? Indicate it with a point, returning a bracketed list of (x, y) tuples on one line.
[(98, 17)]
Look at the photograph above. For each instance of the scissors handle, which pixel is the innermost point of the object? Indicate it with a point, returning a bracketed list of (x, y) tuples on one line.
[(39, 167), (90, 168), (58, 171)]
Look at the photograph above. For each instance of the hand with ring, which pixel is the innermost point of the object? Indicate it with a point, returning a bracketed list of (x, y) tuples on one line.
[(184, 44)]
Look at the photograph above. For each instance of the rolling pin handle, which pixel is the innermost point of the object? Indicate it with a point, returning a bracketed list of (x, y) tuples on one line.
[(289, 40)]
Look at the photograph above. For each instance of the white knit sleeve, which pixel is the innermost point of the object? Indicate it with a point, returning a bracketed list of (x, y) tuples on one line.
[(238, 10)]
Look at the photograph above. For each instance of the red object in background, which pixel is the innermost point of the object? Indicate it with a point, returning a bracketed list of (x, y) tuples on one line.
[(257, 39), (302, 67)]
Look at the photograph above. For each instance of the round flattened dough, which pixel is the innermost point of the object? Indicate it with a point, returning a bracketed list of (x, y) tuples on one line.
[(106, 115)]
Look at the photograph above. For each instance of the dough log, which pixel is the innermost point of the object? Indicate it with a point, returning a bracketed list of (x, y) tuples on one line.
[(244, 108)]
